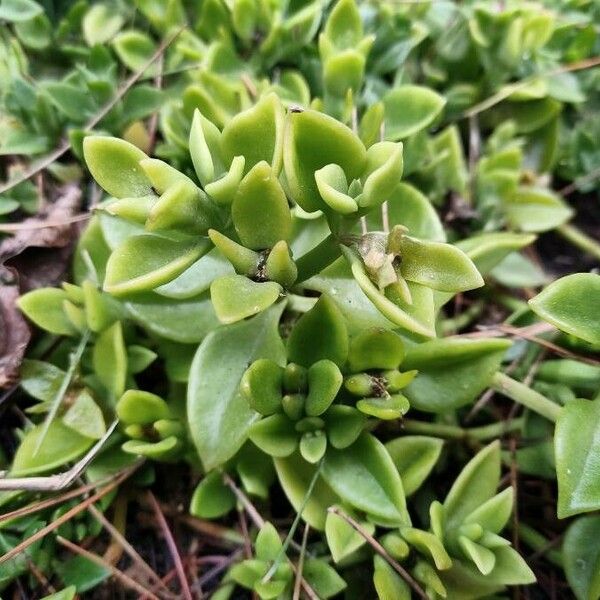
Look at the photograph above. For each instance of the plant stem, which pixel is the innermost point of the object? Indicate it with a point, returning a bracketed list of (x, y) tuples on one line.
[(318, 258), (74, 359), (540, 544), (519, 392), (288, 538), (454, 432), (583, 241)]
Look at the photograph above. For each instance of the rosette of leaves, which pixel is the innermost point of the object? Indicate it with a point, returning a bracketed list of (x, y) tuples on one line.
[(462, 553), (296, 401), (153, 428), (373, 360), (270, 575)]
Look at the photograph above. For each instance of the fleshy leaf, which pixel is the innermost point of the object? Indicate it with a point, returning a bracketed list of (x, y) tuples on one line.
[(146, 261), (581, 557), (218, 413), (572, 304), (115, 165), (577, 452)]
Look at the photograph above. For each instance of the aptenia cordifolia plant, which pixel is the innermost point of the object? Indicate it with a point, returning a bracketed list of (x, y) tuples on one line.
[(304, 285)]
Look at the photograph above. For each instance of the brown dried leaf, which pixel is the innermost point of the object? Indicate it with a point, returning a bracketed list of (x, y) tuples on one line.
[(32, 232), (14, 331)]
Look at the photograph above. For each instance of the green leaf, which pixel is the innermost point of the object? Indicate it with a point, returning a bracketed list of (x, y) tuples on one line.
[(581, 557), (186, 321), (144, 262), (295, 475), (408, 109), (577, 452), (476, 484), (100, 24), (414, 457), (260, 209), (15, 11), (85, 417), (236, 297), (257, 134), (212, 498), (375, 348), (110, 360), (436, 265), (322, 578), (364, 476), (262, 386), (342, 538), (343, 424), (388, 584), (536, 209), (333, 188), (218, 413), (67, 594), (382, 173), (319, 334), (42, 380), (45, 308), (452, 371), (115, 165), (313, 140), (429, 544), (275, 435), (135, 49), (60, 445), (324, 382), (572, 304), (82, 573), (142, 408)]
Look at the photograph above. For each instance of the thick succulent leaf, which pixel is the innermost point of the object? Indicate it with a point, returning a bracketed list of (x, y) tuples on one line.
[(115, 165), (476, 484), (205, 149), (572, 304), (146, 261), (414, 457), (364, 476), (60, 445), (408, 109), (141, 408), (260, 210), (577, 452), (494, 513), (452, 371), (324, 382), (275, 435), (212, 498), (218, 413), (85, 417), (322, 578), (295, 475), (428, 544), (375, 348), (41, 380), (134, 49), (407, 206), (187, 320), (162, 175), (388, 584), (439, 266), (320, 333), (333, 188), (257, 134), (416, 318), (382, 174), (45, 308), (110, 360), (236, 297), (581, 557), (313, 140), (342, 538), (536, 209), (262, 386)]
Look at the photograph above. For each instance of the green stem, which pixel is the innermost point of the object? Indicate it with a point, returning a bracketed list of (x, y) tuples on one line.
[(288, 538), (583, 241), (318, 258), (519, 392), (540, 544), (454, 324), (74, 359), (453, 432)]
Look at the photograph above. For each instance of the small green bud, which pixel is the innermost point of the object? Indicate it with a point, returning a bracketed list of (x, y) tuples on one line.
[(293, 405), (295, 378)]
